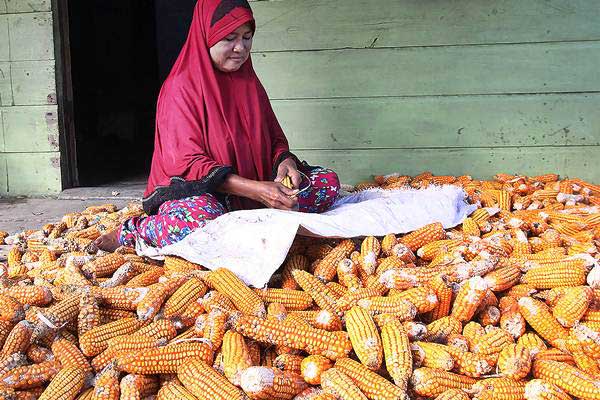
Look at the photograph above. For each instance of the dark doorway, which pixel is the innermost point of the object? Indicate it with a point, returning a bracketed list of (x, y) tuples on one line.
[(120, 52)]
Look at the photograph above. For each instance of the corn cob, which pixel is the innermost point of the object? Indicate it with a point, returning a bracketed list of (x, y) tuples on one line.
[(315, 341), (443, 292), (398, 356), (214, 299), (137, 387), (30, 376), (337, 289), (56, 316), (554, 354), (312, 367), (539, 389), (514, 361), (453, 394), (470, 364), (582, 360), (214, 328), (288, 362), (326, 268), (89, 313), (340, 385), (38, 354), (431, 382), (533, 343), (424, 235), (174, 391), (570, 379), (103, 266), (123, 345), (11, 362), (370, 383), (571, 307), (291, 299), (203, 381), (568, 273), (492, 342), (96, 340), (498, 389), (146, 278), (541, 319), (271, 383), (369, 251), (429, 355), (322, 319), (365, 338), (30, 295), (69, 355), (468, 298), (490, 315), (189, 292), (18, 340), (157, 294), (106, 385), (295, 261), (440, 329), (244, 299), (163, 360), (351, 299), (511, 320), (400, 307), (502, 278), (321, 294), (387, 243), (11, 310), (66, 385)]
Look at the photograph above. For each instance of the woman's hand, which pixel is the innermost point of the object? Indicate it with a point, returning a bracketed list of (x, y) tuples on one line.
[(288, 167), (275, 195)]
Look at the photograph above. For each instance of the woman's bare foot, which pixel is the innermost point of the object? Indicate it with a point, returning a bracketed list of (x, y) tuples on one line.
[(108, 242)]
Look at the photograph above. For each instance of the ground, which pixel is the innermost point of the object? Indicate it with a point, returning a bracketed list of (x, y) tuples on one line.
[(18, 214)]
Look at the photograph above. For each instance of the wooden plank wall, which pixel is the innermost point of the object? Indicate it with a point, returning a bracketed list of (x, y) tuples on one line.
[(29, 153), (455, 86)]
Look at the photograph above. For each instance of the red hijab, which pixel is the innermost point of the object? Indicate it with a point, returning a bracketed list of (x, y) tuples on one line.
[(210, 123)]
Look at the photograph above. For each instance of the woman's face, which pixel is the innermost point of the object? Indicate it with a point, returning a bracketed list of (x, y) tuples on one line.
[(229, 54)]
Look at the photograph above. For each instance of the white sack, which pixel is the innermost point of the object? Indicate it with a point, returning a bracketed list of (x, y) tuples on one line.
[(254, 243)]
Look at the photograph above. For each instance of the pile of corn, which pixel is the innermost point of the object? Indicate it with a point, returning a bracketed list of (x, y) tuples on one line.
[(504, 307)]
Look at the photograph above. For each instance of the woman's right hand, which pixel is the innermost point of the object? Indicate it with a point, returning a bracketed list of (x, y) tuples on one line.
[(275, 195)]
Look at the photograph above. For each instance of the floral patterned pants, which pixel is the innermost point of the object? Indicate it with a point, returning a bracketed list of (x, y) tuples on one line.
[(178, 218)]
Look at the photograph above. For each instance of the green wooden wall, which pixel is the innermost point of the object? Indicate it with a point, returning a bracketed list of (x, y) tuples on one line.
[(29, 156), (452, 86)]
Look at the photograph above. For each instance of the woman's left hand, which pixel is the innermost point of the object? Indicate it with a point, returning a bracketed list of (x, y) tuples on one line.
[(288, 167)]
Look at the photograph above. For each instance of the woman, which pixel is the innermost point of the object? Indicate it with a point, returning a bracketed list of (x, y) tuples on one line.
[(218, 144)]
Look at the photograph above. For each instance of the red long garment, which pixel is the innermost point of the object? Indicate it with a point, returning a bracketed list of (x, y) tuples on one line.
[(210, 123)]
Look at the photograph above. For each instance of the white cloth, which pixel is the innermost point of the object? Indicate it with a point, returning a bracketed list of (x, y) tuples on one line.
[(254, 243)]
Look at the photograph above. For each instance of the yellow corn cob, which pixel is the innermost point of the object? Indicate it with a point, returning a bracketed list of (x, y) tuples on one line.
[(369, 252), (214, 327), (277, 311), (157, 294), (351, 299), (146, 278), (470, 227), (453, 394), (203, 381), (492, 342), (66, 385), (325, 270), (30, 376), (499, 389), (106, 385), (312, 367), (189, 292), (387, 243), (69, 355), (554, 354), (511, 319), (336, 289), (570, 379), (244, 299), (542, 321), (514, 362), (370, 383), (214, 299), (103, 266), (467, 363), (397, 351), (443, 293), (295, 261), (291, 299), (322, 319), (547, 276), (490, 315), (163, 360), (440, 329), (175, 264), (89, 313), (265, 383), (30, 295), (18, 340), (5, 328), (56, 316), (39, 354), (502, 278), (423, 298), (431, 382), (582, 360), (321, 294), (424, 235), (571, 307), (11, 362), (236, 356), (340, 385), (173, 390), (11, 310), (124, 344), (540, 389), (402, 308), (364, 337), (95, 340), (532, 342), (315, 341), (137, 387), (430, 355), (288, 362), (468, 298)]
